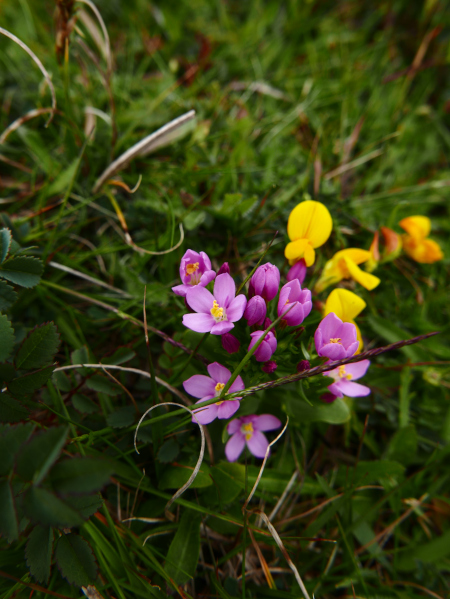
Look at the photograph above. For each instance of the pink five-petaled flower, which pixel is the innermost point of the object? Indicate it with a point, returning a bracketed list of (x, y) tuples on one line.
[(195, 269), (335, 339), (207, 387), (256, 310), (215, 313), (247, 430), (343, 379), (266, 349), (265, 281), (292, 294)]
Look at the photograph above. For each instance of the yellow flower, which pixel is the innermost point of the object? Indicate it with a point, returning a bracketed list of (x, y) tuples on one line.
[(309, 227), (344, 265), (346, 305), (416, 243)]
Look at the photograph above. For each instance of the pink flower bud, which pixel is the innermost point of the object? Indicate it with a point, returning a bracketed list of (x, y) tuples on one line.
[(267, 347), (224, 268), (230, 343), (255, 312), (269, 366), (266, 281), (303, 365), (267, 323), (296, 300), (298, 271), (328, 397)]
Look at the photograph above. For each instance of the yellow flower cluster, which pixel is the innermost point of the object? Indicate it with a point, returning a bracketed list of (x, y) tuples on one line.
[(309, 227)]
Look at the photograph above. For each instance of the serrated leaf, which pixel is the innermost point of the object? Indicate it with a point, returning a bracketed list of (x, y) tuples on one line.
[(80, 475), (102, 384), (29, 383), (85, 505), (39, 551), (168, 451), (23, 271), (75, 560), (84, 404), (184, 550), (121, 355), (7, 373), (39, 347), (9, 527), (40, 453), (5, 243), (7, 296), (11, 439), (43, 507), (7, 338), (11, 410), (121, 418)]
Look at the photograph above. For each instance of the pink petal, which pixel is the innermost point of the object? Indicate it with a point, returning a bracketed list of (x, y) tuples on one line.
[(200, 323), (335, 389), (207, 277), (235, 446), (206, 261), (219, 328), (224, 290), (219, 373), (199, 386), (236, 308), (238, 385), (353, 389), (227, 409), (233, 426), (263, 353), (181, 290), (266, 422), (258, 444), (329, 325), (358, 369), (200, 299), (206, 415), (334, 351), (351, 349)]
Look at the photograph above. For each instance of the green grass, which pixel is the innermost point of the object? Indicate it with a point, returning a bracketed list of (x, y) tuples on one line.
[(329, 70)]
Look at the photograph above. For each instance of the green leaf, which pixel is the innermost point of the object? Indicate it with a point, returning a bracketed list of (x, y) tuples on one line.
[(121, 417), (62, 381), (403, 445), (368, 472), (7, 296), (428, 553), (29, 383), (184, 549), (391, 333), (102, 384), (75, 560), (11, 410), (80, 475), (37, 457), (85, 505), (39, 551), (175, 477), (7, 338), (334, 413), (229, 481), (39, 347), (121, 355), (11, 439), (84, 404), (9, 527), (43, 507), (5, 243), (168, 451), (7, 373), (23, 271)]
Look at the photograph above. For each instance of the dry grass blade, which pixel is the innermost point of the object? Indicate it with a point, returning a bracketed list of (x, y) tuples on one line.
[(262, 561), (200, 457), (32, 114), (41, 68), (106, 47), (163, 136), (113, 378), (81, 275)]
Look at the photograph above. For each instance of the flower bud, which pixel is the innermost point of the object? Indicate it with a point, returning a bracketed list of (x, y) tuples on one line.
[(296, 300), (255, 312), (298, 271), (230, 343), (266, 281), (328, 397), (267, 347), (267, 323), (303, 365), (224, 268), (269, 366)]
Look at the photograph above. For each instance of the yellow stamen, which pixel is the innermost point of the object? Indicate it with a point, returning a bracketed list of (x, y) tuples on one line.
[(335, 340), (219, 387), (191, 268), (247, 429), (343, 374), (216, 310)]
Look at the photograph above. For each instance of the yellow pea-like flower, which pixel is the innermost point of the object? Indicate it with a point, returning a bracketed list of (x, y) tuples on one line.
[(309, 227), (416, 243), (344, 265), (346, 305)]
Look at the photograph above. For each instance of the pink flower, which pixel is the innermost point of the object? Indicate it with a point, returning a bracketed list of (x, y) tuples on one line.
[(335, 339), (195, 269), (344, 377), (267, 347), (247, 430), (230, 343), (298, 271), (224, 268), (215, 313), (265, 281), (207, 387), (256, 310), (292, 294)]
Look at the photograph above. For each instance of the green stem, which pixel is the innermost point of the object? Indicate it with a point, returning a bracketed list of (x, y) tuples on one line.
[(194, 353)]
